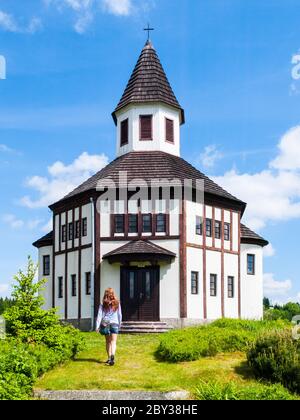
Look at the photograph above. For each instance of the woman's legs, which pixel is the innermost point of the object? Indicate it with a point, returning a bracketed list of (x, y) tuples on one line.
[(108, 345), (114, 338)]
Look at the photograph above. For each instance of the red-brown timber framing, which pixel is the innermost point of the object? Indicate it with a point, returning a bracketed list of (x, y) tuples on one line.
[(59, 232), (73, 221), (204, 264), (222, 268), (79, 262), (210, 248), (139, 235), (183, 280), (239, 267), (231, 230), (76, 248), (53, 262), (97, 279), (66, 207), (66, 267), (168, 219), (213, 227)]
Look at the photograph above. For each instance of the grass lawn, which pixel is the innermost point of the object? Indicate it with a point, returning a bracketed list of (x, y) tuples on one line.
[(138, 369)]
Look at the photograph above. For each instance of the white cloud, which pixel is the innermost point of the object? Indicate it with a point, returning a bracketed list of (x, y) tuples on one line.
[(62, 179), (33, 224), (48, 226), (296, 67), (118, 7), (269, 251), (16, 223), (83, 22), (34, 25), (210, 156), (13, 221), (273, 194), (8, 23), (5, 149), (86, 10), (274, 288), (4, 289), (51, 118), (289, 151)]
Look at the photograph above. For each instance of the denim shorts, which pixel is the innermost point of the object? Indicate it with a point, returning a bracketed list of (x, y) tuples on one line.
[(109, 329)]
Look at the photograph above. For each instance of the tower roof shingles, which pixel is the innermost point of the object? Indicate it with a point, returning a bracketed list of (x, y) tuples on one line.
[(148, 83)]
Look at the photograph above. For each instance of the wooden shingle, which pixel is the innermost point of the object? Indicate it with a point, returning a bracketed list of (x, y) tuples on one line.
[(148, 83)]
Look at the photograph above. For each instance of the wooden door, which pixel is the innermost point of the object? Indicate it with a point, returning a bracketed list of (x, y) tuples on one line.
[(140, 294)]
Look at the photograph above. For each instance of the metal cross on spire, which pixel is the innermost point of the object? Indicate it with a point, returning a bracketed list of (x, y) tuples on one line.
[(149, 30)]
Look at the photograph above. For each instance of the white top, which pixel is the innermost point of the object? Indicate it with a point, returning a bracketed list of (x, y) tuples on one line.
[(109, 317)]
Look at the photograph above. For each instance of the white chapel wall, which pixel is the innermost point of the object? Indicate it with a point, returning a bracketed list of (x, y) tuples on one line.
[(160, 112), (47, 292), (252, 285)]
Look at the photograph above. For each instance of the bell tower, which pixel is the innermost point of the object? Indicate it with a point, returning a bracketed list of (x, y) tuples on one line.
[(148, 116)]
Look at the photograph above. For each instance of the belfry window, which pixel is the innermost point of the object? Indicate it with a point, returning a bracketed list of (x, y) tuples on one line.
[(124, 132), (169, 131), (146, 128)]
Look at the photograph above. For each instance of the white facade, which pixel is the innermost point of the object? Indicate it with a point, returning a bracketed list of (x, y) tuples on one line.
[(217, 258), (252, 285), (159, 113), (47, 291)]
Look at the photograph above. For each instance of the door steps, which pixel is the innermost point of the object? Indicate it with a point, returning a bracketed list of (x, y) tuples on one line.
[(145, 328)]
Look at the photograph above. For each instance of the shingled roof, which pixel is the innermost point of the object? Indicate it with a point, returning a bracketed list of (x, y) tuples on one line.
[(139, 250), (148, 83), (149, 166), (250, 237), (46, 240)]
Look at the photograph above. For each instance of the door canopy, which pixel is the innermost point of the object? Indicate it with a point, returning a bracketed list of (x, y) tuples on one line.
[(139, 251)]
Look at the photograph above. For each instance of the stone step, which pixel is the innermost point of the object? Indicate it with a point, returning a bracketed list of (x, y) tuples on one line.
[(143, 323), (86, 395), (144, 327), (144, 331)]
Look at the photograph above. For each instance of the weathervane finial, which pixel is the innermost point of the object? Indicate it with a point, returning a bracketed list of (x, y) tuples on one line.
[(148, 30)]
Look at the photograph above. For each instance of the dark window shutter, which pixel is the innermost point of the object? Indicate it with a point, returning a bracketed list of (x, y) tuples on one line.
[(169, 130), (146, 127), (124, 132)]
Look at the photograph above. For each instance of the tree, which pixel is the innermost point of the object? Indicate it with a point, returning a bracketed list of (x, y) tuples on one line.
[(26, 319), (287, 311), (267, 303), (5, 303)]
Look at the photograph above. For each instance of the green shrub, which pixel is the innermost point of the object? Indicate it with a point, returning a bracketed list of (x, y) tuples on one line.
[(28, 322), (251, 326), (275, 356), (230, 391), (37, 341), (276, 314), (222, 336), (285, 312)]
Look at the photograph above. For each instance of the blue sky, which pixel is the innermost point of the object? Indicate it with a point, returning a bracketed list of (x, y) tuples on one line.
[(233, 67)]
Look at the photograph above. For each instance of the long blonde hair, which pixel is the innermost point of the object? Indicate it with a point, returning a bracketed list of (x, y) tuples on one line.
[(110, 300)]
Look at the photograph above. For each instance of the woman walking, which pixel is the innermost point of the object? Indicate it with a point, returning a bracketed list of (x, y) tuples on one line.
[(109, 322)]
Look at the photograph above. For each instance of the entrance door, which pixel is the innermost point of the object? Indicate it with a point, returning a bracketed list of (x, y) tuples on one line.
[(140, 294)]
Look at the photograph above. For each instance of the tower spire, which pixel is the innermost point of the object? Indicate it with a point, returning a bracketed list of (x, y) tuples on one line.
[(148, 29), (148, 84)]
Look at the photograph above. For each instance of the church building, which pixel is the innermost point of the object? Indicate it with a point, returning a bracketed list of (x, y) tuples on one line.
[(139, 226)]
